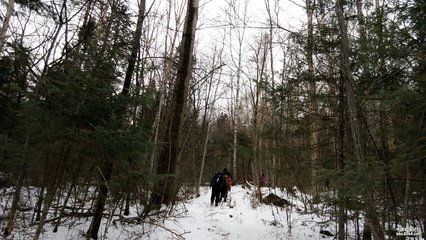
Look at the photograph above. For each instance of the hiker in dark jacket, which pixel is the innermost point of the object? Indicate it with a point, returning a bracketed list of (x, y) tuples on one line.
[(227, 186), (216, 183), (226, 173)]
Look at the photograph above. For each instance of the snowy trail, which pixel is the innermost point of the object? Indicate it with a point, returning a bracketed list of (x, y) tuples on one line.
[(242, 221), (196, 219)]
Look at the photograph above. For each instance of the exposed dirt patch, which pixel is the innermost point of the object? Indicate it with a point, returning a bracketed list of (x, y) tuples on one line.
[(275, 200)]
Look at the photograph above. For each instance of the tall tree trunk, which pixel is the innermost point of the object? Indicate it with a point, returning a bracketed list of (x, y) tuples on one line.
[(52, 187), (135, 48), (407, 196), (15, 202), (348, 81), (37, 209), (17, 195), (347, 87), (234, 18), (6, 22), (257, 103), (170, 157), (371, 225), (100, 201), (167, 73), (273, 115), (108, 165), (62, 211), (203, 159), (313, 125), (211, 97), (235, 120), (363, 40), (51, 191), (341, 161)]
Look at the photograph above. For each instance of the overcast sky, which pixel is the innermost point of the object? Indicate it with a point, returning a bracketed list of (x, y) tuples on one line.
[(291, 14)]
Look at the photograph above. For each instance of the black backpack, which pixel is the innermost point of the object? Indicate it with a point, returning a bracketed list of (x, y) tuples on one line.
[(218, 179)]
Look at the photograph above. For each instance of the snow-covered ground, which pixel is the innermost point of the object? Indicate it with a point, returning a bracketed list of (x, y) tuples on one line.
[(241, 217)]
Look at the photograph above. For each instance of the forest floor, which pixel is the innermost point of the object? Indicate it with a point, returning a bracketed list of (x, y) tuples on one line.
[(243, 216)]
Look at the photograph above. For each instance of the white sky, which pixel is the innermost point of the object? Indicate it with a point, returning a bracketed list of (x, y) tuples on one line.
[(212, 15), (213, 23)]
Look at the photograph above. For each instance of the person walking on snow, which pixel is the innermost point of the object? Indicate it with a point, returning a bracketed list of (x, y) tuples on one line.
[(217, 182), (228, 183)]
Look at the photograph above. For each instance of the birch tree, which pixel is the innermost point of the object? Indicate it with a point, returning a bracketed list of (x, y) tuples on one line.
[(257, 100), (274, 117), (211, 97), (236, 57)]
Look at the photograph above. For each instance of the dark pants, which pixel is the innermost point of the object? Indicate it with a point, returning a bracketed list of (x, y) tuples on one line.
[(224, 193), (215, 195)]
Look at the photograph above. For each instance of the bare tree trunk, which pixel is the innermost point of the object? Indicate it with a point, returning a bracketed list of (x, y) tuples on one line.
[(210, 100), (6, 22), (100, 201), (313, 125), (273, 171), (17, 195), (407, 197), (167, 73), (372, 224), (170, 157), (204, 157), (235, 121), (346, 88), (363, 38), (348, 81), (52, 187), (235, 125), (61, 23), (104, 30), (341, 162), (156, 129), (51, 190), (15, 202), (37, 209), (234, 18), (62, 211), (257, 104), (135, 48)]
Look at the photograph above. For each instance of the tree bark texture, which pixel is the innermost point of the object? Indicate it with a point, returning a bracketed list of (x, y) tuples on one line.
[(17, 195), (206, 141), (341, 162), (100, 201), (135, 48), (372, 225), (313, 125), (6, 21), (168, 165), (348, 80)]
